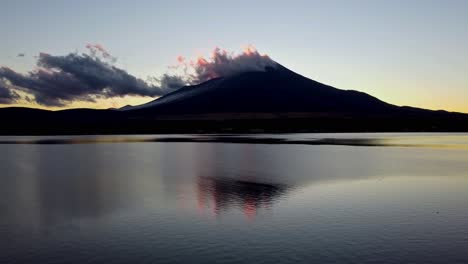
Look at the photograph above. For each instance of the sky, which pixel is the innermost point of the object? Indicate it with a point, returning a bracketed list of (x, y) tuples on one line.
[(403, 52)]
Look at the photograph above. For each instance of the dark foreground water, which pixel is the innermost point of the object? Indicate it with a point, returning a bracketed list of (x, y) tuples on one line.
[(312, 198)]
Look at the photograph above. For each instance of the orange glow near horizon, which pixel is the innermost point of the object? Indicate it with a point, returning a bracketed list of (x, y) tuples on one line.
[(448, 104), (116, 102), (442, 104)]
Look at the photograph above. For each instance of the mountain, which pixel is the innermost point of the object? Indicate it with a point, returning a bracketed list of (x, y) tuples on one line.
[(276, 90), (274, 100)]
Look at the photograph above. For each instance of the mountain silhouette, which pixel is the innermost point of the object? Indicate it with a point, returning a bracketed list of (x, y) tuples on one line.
[(274, 100), (276, 90)]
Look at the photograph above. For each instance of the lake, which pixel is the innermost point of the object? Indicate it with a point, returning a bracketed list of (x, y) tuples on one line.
[(288, 198)]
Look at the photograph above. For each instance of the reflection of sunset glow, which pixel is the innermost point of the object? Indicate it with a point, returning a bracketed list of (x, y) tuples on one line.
[(200, 202), (250, 209), (219, 195)]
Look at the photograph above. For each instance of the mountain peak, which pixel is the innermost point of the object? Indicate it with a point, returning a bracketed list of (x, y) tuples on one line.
[(275, 89)]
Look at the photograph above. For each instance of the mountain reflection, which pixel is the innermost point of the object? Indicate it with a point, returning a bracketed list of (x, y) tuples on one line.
[(222, 194)]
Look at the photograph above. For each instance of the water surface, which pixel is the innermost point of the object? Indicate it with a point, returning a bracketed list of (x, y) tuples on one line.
[(323, 198)]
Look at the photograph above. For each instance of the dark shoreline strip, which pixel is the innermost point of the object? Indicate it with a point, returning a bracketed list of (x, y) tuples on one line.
[(363, 142)]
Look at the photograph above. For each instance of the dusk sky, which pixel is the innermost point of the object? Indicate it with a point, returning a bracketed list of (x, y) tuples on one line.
[(403, 52)]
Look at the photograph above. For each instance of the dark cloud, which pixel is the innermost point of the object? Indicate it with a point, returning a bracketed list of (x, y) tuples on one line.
[(8, 96), (60, 80), (171, 82)]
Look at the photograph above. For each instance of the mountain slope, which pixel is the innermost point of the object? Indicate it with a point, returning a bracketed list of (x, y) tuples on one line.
[(273, 91)]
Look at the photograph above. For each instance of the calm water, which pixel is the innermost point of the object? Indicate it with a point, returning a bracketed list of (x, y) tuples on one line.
[(314, 198)]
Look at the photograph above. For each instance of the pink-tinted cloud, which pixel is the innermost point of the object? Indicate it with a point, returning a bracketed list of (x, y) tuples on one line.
[(222, 63)]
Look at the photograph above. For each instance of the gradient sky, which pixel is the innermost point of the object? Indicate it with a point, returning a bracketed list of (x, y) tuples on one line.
[(403, 52)]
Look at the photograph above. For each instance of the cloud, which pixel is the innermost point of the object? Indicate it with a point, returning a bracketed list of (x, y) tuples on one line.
[(7, 96), (222, 63), (21, 55), (94, 49), (171, 82), (60, 80)]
